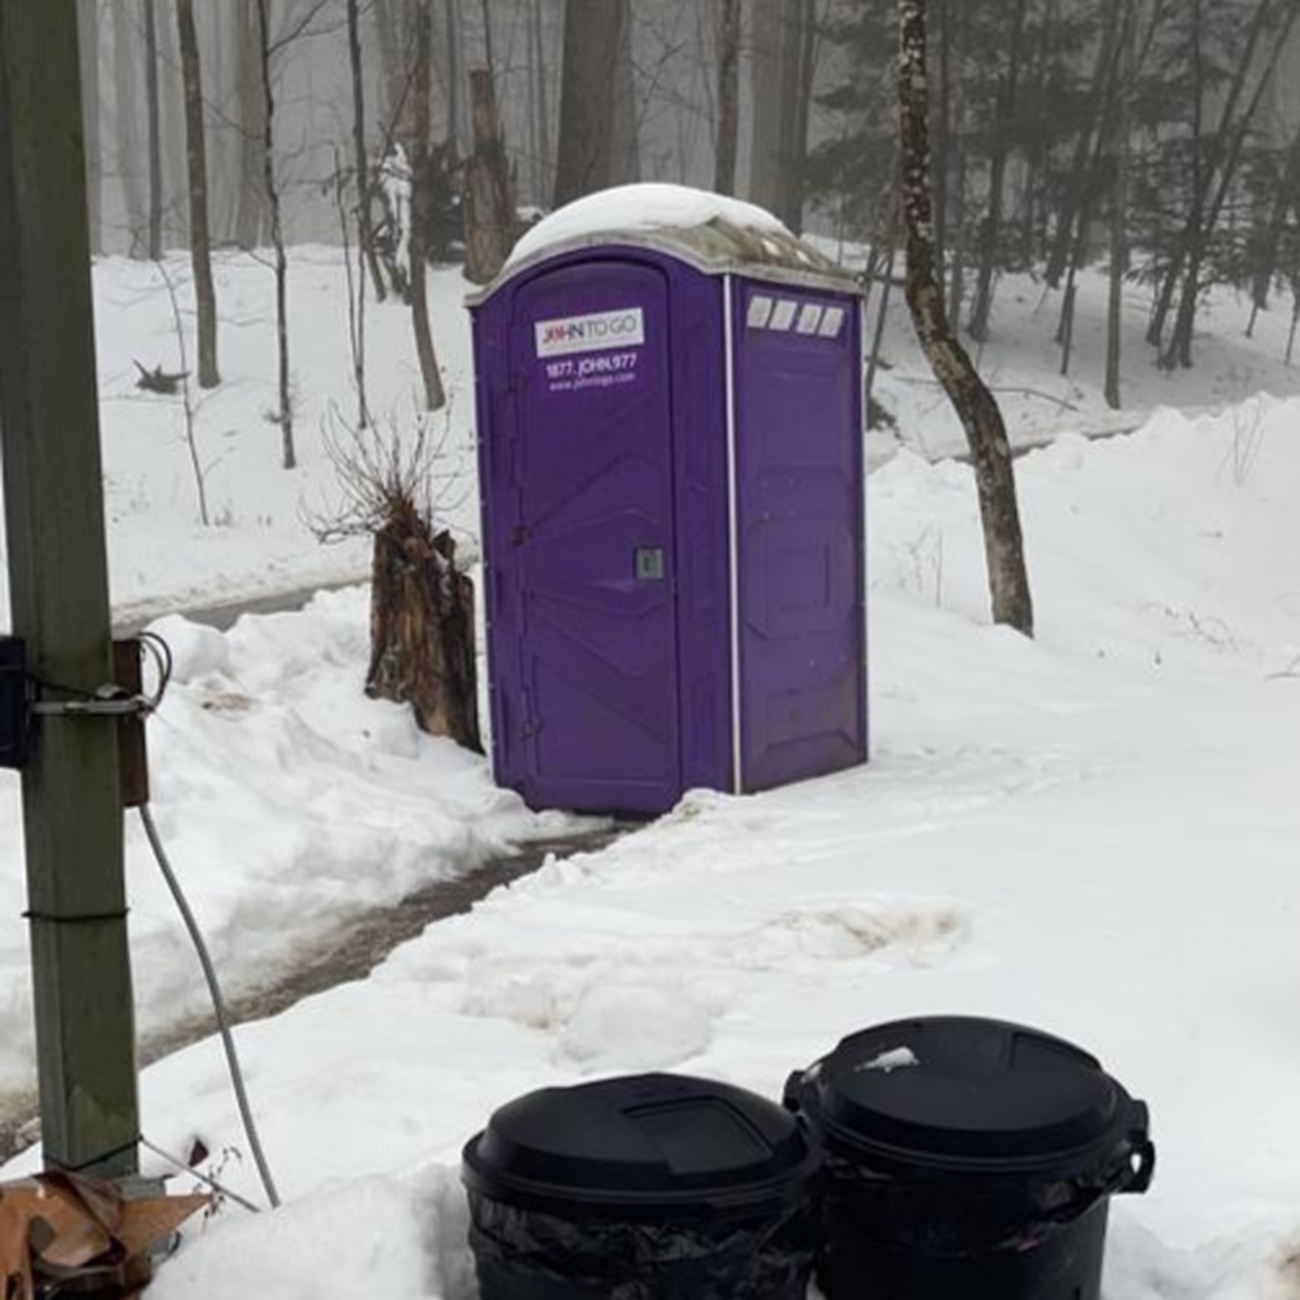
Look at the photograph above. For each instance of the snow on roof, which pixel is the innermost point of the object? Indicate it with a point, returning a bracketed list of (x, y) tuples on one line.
[(709, 231), (641, 207)]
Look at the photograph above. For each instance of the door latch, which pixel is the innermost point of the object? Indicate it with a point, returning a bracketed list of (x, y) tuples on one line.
[(650, 563)]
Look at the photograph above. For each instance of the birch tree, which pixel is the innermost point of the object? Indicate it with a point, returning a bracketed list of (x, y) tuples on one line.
[(975, 405)]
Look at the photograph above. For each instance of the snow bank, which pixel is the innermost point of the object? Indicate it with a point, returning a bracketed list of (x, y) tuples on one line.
[(374, 1236), (289, 803), (639, 207), (1171, 546)]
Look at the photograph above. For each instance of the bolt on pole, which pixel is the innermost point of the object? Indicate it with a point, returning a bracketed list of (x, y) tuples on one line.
[(54, 516)]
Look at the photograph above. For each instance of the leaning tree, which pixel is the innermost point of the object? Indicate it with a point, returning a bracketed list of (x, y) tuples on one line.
[(975, 405)]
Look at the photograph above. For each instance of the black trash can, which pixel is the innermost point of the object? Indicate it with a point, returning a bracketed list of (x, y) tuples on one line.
[(657, 1187), (967, 1159)]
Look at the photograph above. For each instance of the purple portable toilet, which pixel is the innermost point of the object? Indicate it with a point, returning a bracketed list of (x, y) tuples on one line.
[(669, 392)]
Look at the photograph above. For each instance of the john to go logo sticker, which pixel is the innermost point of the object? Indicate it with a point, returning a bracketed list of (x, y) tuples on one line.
[(600, 332)]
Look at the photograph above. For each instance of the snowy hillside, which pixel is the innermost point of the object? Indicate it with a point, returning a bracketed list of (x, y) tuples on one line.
[(163, 558)]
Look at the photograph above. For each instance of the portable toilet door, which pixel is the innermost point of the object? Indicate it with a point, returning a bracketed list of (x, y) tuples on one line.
[(584, 581)]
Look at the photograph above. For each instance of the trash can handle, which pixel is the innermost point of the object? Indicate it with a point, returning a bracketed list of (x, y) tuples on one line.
[(1141, 1163), (1140, 1152)]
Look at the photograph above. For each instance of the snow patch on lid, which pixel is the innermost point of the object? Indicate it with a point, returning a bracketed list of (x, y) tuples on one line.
[(640, 207), (899, 1058)]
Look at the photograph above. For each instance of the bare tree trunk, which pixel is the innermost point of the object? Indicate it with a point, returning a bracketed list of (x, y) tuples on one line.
[(765, 162), (1043, 61), (126, 78), (1295, 315), (593, 34), (250, 210), (804, 60), (288, 454), (489, 53), (453, 43), (882, 316), (975, 405), (541, 110), (1082, 217), (782, 57), (982, 308), (365, 233), (625, 145), (1224, 148), (1229, 160), (1200, 173), (1284, 201), (365, 195), (1080, 174), (88, 37), (197, 156), (154, 117), (489, 219), (393, 56), (1118, 266), (724, 175), (1065, 329), (421, 204)]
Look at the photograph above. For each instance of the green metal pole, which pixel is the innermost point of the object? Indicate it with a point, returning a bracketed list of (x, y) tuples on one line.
[(54, 514)]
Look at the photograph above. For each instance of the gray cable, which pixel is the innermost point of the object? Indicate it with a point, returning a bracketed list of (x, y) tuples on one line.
[(218, 1005)]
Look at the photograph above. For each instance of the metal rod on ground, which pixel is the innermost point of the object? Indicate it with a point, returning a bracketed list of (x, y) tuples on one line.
[(49, 433)]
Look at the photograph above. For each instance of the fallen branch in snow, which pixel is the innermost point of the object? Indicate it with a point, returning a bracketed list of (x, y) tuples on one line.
[(1292, 670), (158, 380), (1024, 392), (207, 1180)]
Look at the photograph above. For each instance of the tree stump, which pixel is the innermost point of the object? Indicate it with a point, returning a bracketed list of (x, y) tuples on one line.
[(422, 629)]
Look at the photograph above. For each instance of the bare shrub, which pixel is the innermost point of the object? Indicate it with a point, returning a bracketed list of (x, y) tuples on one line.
[(421, 604)]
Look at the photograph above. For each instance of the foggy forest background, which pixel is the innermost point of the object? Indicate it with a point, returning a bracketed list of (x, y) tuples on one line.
[(1157, 138)]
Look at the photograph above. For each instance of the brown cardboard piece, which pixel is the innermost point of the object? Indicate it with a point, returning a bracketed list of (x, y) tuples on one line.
[(65, 1228)]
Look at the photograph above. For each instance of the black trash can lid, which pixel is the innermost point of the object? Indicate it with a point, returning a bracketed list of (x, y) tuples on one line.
[(654, 1145), (963, 1094)]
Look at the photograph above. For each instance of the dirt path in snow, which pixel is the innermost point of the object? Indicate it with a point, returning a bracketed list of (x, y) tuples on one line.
[(349, 952)]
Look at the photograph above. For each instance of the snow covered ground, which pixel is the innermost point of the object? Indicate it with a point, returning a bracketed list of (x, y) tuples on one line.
[(1095, 832), (259, 539)]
